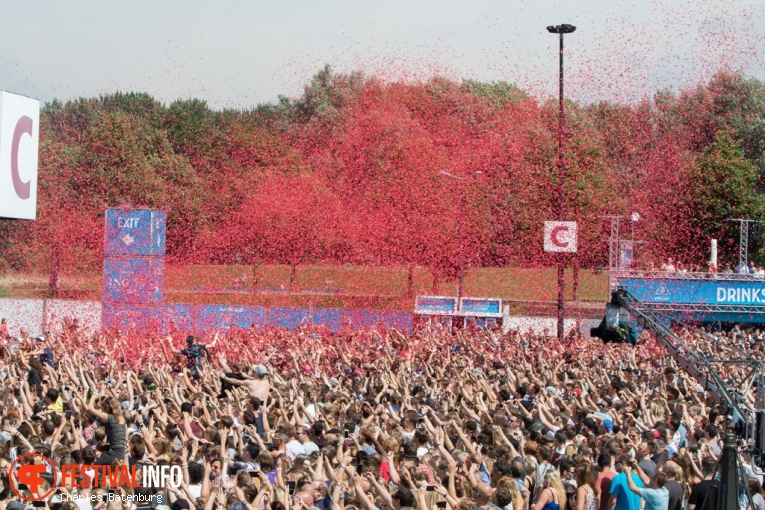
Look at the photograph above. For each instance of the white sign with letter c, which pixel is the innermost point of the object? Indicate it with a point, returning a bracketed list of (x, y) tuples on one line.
[(560, 236), (19, 140)]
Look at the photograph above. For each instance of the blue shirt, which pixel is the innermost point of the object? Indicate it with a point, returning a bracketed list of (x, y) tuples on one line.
[(655, 499), (194, 354), (625, 498)]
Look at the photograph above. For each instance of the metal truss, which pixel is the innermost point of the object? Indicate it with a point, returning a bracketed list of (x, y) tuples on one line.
[(706, 308), (663, 275)]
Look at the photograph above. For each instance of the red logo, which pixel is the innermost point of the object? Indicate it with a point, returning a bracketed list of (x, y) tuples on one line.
[(559, 236), (31, 475), (23, 127)]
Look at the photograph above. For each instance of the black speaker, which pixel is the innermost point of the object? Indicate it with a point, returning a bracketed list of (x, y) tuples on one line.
[(755, 232)]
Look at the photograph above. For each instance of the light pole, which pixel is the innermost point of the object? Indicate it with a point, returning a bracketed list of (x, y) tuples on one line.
[(560, 30), (463, 210)]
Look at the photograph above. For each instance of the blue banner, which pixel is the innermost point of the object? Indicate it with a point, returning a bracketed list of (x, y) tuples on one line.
[(707, 292), (328, 317), (220, 317), (435, 305), (289, 318), (140, 233), (482, 307), (128, 317)]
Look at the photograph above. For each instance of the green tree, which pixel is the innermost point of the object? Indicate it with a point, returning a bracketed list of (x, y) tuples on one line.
[(718, 183)]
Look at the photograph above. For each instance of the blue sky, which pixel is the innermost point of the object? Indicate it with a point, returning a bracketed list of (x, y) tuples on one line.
[(236, 54)]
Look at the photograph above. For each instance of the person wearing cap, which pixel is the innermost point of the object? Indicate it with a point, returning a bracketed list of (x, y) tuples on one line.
[(46, 354), (258, 385)]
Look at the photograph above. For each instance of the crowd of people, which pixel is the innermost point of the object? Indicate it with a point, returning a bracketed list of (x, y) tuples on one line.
[(380, 419)]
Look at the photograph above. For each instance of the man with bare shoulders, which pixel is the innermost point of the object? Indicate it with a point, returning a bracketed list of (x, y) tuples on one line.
[(258, 385)]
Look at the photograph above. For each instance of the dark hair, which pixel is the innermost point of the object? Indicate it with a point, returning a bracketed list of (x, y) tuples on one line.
[(139, 450), (504, 496), (405, 497), (52, 394), (88, 455), (249, 417), (660, 478), (502, 468), (253, 450), (196, 472), (565, 464), (517, 470), (708, 465), (48, 427)]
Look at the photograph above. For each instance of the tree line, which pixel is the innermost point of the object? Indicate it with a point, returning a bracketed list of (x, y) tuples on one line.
[(439, 174)]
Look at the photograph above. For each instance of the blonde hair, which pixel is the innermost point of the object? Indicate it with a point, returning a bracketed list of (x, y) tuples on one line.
[(509, 484), (552, 481)]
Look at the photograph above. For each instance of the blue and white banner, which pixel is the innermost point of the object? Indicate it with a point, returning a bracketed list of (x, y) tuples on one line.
[(708, 292)]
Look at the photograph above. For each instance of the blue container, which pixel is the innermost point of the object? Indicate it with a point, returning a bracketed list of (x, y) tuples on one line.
[(133, 280)]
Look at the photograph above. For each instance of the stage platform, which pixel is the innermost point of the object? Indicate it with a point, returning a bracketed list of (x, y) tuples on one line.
[(698, 297)]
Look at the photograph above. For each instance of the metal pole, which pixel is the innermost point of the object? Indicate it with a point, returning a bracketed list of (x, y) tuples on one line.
[(727, 498), (461, 280), (613, 252), (743, 246), (561, 194)]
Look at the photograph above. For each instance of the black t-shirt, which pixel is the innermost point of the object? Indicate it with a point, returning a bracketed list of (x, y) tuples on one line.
[(33, 377), (675, 495), (116, 435), (703, 490)]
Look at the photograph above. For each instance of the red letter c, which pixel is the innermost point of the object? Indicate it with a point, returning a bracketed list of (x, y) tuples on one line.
[(23, 127), (555, 236)]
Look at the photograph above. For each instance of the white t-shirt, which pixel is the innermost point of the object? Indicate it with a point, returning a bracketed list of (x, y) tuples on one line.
[(84, 504), (295, 448), (311, 447), (310, 410)]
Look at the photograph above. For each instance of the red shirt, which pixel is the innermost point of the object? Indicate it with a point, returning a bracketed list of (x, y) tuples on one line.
[(384, 472), (604, 487)]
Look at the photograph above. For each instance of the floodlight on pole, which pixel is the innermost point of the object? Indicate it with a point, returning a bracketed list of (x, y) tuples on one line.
[(560, 30)]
